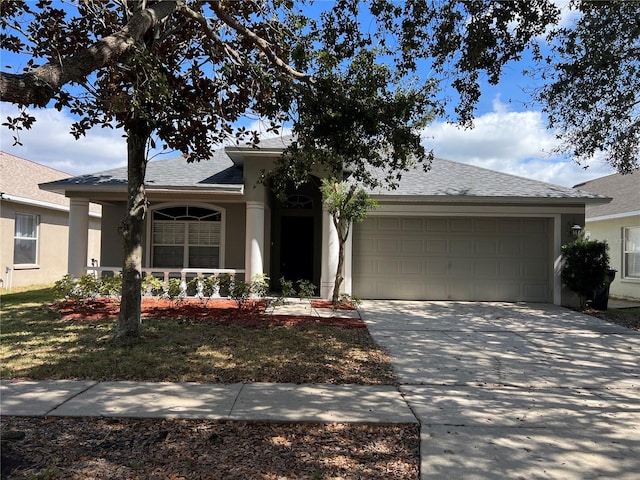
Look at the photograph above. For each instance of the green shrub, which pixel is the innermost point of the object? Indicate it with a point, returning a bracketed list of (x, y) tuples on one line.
[(82, 289), (260, 286), (306, 289), (67, 288), (152, 285), (585, 267), (110, 286), (240, 291), (224, 282), (174, 291)]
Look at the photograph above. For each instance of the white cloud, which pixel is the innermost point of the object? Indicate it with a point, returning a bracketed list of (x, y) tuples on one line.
[(512, 142), (49, 143)]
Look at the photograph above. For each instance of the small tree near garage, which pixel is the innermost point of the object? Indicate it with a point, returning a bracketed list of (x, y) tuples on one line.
[(346, 203)]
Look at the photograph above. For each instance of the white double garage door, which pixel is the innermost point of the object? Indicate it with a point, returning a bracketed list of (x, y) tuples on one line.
[(453, 258)]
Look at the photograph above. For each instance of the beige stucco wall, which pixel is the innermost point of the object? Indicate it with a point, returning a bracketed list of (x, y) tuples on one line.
[(53, 240), (111, 254), (611, 231)]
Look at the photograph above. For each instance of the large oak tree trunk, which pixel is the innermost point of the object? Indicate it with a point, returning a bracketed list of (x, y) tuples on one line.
[(129, 320)]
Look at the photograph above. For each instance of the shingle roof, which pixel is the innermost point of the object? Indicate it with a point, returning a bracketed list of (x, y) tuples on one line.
[(453, 179), (174, 172), (445, 179), (623, 189)]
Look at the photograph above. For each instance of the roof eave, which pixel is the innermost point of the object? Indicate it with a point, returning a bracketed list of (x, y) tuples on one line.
[(487, 199), (239, 154), (234, 189)]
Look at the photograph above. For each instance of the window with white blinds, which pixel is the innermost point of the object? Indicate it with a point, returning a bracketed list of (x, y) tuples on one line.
[(632, 253), (25, 240), (186, 237)]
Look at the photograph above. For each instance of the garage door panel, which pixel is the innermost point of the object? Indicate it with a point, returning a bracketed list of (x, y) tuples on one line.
[(436, 225), (439, 258), (436, 247), (486, 268), (388, 245), (412, 224), (509, 269), (533, 270), (486, 246), (411, 267), (461, 247), (486, 225), (510, 247), (460, 225), (412, 246), (460, 268), (436, 267), (388, 224), (536, 292), (434, 290)]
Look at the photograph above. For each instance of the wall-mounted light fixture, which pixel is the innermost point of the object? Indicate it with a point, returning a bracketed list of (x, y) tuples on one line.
[(576, 229)]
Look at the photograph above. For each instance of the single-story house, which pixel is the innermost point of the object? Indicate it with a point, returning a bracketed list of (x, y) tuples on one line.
[(455, 232), (34, 225), (618, 223)]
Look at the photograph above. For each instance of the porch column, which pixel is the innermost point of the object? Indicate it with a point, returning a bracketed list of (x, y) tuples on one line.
[(254, 241), (347, 284), (329, 255), (78, 236), (557, 260)]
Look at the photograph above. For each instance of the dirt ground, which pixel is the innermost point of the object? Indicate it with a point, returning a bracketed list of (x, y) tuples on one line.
[(100, 448)]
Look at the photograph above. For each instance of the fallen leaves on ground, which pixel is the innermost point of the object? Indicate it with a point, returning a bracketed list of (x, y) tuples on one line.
[(101, 448)]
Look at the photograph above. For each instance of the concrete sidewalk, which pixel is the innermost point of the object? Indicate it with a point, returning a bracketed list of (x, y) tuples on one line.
[(275, 402)]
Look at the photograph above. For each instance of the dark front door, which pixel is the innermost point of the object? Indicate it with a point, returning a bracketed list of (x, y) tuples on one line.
[(296, 248)]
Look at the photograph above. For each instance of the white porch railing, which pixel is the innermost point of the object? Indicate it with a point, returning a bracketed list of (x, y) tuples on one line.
[(168, 273), (185, 274)]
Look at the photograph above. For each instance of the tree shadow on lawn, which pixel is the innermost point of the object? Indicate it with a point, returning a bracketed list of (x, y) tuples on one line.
[(37, 345)]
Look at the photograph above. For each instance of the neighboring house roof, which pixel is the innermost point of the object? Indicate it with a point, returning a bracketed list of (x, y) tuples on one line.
[(444, 181), (624, 191), (19, 179)]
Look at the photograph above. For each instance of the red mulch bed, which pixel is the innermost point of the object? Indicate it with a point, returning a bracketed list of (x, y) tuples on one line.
[(220, 311), (328, 304)]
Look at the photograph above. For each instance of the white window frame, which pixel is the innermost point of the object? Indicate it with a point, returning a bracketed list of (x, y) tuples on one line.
[(150, 243), (36, 239), (626, 251)]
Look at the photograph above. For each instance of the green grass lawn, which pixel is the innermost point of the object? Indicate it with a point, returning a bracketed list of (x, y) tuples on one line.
[(36, 344)]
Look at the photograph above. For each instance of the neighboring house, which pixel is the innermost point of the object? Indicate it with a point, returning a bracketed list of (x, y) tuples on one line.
[(618, 223), (455, 232), (34, 225)]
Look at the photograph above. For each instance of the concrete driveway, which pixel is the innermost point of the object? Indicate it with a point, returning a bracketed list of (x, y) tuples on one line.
[(518, 391)]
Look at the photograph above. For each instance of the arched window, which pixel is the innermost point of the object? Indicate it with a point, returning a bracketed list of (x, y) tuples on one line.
[(298, 201), (186, 237)]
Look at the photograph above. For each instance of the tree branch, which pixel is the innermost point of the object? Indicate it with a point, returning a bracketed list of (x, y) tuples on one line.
[(38, 86), (259, 42)]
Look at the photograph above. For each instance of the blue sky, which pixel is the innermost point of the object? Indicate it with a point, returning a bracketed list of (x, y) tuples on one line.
[(510, 135)]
